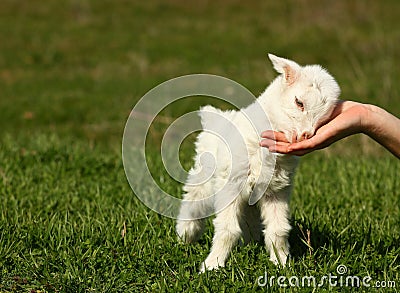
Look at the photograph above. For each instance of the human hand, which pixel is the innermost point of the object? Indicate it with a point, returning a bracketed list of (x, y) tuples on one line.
[(346, 119)]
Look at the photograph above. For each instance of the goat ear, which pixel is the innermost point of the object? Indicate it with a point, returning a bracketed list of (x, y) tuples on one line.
[(289, 68)]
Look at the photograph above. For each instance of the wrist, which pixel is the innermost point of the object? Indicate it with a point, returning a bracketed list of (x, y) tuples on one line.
[(369, 117)]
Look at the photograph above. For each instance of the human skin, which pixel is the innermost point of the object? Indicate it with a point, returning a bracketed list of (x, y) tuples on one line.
[(348, 118)]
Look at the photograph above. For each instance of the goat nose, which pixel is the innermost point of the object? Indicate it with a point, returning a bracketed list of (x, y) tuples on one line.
[(305, 135)]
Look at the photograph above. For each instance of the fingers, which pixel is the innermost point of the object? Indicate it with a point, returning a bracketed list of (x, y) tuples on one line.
[(296, 149), (308, 144), (285, 147), (276, 142), (267, 143), (274, 135), (282, 149), (275, 146)]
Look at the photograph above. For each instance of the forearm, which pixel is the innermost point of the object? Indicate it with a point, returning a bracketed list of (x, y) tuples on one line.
[(383, 127)]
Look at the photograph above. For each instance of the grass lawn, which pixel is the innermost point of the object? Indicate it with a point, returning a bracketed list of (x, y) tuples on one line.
[(71, 71)]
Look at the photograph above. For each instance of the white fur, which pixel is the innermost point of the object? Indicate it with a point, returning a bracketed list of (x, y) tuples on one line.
[(231, 170)]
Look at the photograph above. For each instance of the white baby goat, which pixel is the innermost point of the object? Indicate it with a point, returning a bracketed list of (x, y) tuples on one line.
[(240, 173)]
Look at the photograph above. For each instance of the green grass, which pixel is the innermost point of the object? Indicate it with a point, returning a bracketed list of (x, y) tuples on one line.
[(70, 72), (66, 205)]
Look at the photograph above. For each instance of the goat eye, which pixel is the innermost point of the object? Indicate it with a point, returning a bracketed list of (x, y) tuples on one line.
[(299, 104)]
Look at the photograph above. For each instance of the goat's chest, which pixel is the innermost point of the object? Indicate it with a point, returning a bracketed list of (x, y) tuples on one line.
[(284, 170), (273, 174)]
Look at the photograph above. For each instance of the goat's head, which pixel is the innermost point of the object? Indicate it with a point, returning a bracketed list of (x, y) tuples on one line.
[(307, 97)]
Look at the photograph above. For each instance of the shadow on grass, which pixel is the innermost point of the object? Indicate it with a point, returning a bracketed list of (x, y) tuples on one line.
[(306, 238)]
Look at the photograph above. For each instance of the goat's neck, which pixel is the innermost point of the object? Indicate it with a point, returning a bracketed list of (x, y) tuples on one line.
[(271, 103)]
